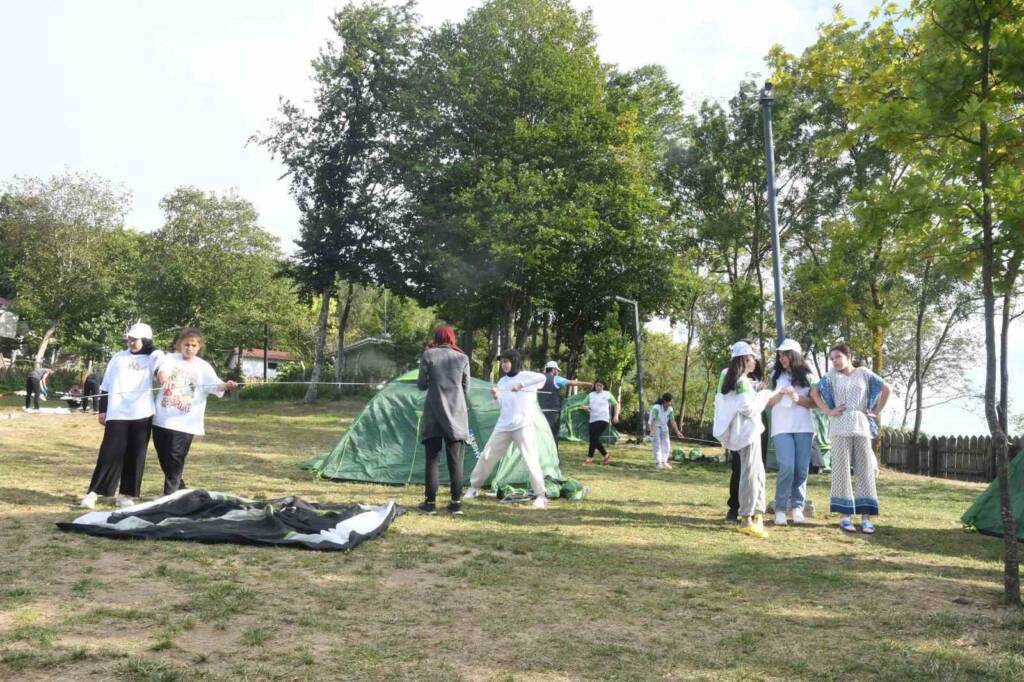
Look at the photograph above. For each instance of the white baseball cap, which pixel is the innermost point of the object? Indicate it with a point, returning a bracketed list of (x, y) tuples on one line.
[(790, 344), (551, 365), (140, 330), (740, 349)]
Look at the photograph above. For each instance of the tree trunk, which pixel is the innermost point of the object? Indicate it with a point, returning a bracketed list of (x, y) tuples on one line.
[(467, 342), (544, 336), (523, 326), (1010, 283), (321, 341), (707, 392), (493, 348), (344, 307), (47, 337), (922, 305), (1000, 446), (686, 359)]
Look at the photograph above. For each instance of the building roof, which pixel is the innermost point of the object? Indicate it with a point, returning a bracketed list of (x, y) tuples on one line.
[(272, 355), (368, 341)]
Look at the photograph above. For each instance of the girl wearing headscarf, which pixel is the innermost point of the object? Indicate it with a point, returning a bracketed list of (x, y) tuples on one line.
[(444, 375), (516, 394), (126, 414)]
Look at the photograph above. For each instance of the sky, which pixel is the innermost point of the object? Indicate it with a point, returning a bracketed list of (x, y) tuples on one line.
[(158, 95)]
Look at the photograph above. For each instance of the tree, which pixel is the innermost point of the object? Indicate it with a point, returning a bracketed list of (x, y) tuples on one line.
[(212, 266), (337, 160), (67, 257)]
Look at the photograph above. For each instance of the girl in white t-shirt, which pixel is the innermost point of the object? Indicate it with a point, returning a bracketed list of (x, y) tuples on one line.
[(792, 429), (126, 414), (599, 404), (186, 379), (658, 424)]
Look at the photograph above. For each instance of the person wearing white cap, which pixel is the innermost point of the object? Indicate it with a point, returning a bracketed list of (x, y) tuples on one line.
[(737, 425), (549, 397), (126, 414), (792, 429)]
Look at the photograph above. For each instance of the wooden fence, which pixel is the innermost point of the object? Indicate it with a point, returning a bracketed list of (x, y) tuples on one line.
[(959, 457)]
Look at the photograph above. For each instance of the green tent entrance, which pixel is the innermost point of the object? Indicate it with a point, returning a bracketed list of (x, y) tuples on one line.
[(984, 514), (382, 444), (574, 425)]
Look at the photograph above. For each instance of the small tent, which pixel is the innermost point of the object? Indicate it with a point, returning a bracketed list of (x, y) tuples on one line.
[(382, 444), (984, 514), (575, 420)]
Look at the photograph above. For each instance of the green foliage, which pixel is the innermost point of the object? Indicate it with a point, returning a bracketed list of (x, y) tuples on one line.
[(610, 354)]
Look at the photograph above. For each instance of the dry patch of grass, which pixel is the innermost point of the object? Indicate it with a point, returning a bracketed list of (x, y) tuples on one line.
[(642, 580)]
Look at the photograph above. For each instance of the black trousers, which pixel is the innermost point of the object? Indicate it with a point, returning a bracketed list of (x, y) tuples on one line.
[(91, 389), (453, 453), (597, 430), (122, 457), (555, 422), (32, 391), (171, 450), (734, 483)]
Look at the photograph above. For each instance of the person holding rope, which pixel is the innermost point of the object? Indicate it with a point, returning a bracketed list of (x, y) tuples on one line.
[(853, 398), (516, 395), (658, 424), (444, 375), (126, 415), (550, 396), (187, 380)]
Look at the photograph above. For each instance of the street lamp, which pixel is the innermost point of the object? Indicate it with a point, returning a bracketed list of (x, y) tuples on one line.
[(766, 99), (638, 345)]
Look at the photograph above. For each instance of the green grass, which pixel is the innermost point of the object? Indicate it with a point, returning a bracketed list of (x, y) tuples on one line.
[(642, 580)]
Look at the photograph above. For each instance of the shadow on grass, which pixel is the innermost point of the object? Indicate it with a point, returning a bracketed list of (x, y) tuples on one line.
[(24, 496)]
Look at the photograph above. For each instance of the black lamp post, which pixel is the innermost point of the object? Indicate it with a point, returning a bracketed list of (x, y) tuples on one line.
[(767, 99)]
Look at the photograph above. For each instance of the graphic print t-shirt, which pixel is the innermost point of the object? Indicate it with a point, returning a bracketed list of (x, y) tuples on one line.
[(183, 408), (129, 381)]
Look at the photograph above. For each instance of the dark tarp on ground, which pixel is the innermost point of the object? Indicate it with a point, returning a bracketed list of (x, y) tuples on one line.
[(984, 514), (204, 516)]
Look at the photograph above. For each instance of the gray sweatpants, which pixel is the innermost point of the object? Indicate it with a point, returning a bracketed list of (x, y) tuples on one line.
[(752, 480)]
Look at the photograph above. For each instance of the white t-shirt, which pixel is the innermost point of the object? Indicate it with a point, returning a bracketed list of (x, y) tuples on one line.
[(191, 382), (515, 406), (660, 416), (129, 381), (787, 416), (599, 406)]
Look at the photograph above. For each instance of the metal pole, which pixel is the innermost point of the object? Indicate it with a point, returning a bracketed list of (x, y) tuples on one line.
[(767, 98), (638, 345), (266, 348)]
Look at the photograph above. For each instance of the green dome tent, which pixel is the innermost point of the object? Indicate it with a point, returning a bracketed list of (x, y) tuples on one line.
[(575, 419), (984, 514), (382, 444)]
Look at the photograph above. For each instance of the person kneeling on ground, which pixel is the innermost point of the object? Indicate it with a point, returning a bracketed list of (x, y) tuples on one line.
[(516, 394)]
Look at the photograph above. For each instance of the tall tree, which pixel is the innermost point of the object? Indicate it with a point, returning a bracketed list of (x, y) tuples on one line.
[(337, 159)]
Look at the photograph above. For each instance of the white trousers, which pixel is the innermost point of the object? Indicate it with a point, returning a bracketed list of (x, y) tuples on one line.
[(660, 443), (497, 447)]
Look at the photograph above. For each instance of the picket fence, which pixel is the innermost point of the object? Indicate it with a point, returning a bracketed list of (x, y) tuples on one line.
[(964, 458)]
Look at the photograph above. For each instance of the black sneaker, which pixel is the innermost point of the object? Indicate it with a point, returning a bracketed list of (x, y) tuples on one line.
[(732, 517), (455, 508), (428, 507)]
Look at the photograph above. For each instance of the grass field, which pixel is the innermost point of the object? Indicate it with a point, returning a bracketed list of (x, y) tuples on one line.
[(640, 581)]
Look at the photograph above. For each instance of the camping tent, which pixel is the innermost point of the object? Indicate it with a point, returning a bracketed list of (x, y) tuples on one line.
[(575, 420), (984, 513), (382, 444)]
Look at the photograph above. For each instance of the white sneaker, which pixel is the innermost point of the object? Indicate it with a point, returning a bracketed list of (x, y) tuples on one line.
[(658, 465), (123, 501), (666, 465), (540, 502), (470, 493), (780, 518), (89, 501), (798, 516)]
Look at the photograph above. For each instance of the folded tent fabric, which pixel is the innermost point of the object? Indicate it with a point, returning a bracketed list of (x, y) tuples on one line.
[(205, 516)]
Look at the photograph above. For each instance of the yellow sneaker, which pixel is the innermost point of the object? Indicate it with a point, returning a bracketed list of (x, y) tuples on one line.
[(754, 527)]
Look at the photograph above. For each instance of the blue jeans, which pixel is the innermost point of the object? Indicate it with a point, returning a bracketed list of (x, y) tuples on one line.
[(793, 454)]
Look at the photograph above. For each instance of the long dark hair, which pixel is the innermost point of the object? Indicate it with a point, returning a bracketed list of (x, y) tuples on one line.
[(798, 370), (147, 348), (737, 370)]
